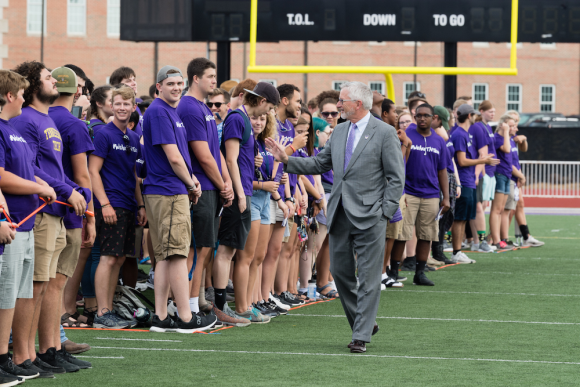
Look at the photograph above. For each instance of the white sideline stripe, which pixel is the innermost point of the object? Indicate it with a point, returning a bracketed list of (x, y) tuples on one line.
[(444, 319), (507, 273), (344, 355), (124, 339), (101, 357), (488, 293)]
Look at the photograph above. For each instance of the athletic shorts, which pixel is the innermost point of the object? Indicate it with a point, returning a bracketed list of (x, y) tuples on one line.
[(502, 184), (49, 241), (395, 230), (67, 262), (321, 217), (169, 225), (511, 203), (205, 221), (136, 253), (420, 216), (465, 206), (118, 239), (261, 206), (235, 226), (488, 190), (17, 270)]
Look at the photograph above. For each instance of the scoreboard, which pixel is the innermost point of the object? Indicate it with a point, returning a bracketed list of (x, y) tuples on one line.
[(350, 20)]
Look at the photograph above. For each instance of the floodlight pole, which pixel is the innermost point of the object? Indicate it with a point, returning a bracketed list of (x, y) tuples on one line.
[(449, 81), (223, 61)]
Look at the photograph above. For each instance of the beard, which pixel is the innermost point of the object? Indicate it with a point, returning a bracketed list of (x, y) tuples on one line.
[(290, 113), (45, 97)]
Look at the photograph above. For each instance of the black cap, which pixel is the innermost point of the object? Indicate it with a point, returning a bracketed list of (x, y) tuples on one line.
[(466, 109), (266, 90)]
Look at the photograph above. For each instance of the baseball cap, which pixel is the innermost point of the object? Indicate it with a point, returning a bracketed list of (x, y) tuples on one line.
[(443, 115), (266, 90), (66, 80), (228, 85), (466, 109), (162, 74)]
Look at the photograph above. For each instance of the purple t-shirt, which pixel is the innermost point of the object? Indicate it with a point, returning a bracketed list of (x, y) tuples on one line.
[(268, 165), (412, 126), (200, 126), (304, 153), (235, 129), (17, 158), (489, 169), (45, 142), (140, 167), (480, 138), (505, 159), (118, 171), (450, 153), (162, 125), (75, 140), (453, 129), (327, 178), (286, 134), (428, 156), (462, 142), (139, 127), (515, 157)]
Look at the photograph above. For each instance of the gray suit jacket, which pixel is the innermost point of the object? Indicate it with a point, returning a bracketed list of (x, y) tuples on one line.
[(373, 182)]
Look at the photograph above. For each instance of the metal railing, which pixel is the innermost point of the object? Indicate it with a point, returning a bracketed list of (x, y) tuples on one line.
[(551, 179)]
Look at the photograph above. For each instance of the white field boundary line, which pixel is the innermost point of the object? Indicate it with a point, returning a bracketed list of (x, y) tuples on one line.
[(125, 339), (487, 293), (101, 357), (506, 273), (343, 355), (443, 319)]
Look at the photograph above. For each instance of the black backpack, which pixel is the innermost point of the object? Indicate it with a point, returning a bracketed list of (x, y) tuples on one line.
[(247, 130), (91, 130)]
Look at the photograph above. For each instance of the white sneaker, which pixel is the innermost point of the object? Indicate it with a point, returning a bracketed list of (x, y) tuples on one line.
[(492, 247), (278, 303), (390, 282), (533, 242), (464, 245), (462, 258), (474, 246), (484, 247)]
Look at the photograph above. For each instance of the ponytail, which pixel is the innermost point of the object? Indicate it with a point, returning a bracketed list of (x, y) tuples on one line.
[(99, 95)]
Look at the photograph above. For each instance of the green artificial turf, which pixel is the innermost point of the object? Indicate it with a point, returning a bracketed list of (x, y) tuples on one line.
[(469, 329)]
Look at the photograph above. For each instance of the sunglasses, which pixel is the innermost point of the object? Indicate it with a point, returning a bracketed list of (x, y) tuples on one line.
[(420, 95), (217, 104), (327, 114), (127, 144)]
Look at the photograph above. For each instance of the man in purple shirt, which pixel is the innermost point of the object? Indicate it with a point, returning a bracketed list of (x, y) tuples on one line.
[(426, 177), (126, 76), (45, 142)]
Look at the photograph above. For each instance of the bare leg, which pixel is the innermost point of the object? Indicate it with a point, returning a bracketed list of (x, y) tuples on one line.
[(244, 259), (130, 272), (39, 291), (72, 285), (271, 260), (254, 279), (50, 313), (281, 282), (106, 278), (497, 207), (6, 318), (458, 233), (21, 326), (171, 272)]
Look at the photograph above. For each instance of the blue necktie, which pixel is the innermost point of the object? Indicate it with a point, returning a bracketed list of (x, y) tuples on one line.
[(349, 145)]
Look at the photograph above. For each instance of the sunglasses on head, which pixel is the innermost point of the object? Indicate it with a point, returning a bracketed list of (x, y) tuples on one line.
[(326, 114), (217, 104), (127, 144)]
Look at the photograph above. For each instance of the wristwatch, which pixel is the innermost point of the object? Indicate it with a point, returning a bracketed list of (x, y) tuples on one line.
[(290, 200), (192, 188)]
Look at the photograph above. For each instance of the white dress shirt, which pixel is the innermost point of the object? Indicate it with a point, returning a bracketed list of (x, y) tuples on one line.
[(361, 126)]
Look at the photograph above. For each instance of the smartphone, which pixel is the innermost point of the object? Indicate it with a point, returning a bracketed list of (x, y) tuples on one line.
[(77, 111)]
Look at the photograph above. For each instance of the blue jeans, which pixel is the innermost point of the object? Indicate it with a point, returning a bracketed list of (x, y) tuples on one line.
[(88, 280), (261, 206)]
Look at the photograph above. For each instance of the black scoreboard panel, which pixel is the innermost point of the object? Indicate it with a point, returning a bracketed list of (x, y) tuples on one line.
[(350, 20)]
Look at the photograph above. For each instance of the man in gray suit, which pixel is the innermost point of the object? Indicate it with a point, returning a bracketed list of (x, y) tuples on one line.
[(369, 177)]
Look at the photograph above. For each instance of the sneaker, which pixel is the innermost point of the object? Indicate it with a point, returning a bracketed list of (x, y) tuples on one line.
[(51, 357), (158, 325), (210, 294), (502, 246), (18, 372), (47, 367), (28, 365), (265, 311), (122, 321), (230, 287), (171, 308), (512, 243), (460, 257), (533, 242), (474, 246), (230, 297), (421, 279), (7, 380), (198, 322), (110, 320), (289, 297), (484, 247), (401, 278), (255, 316), (272, 305), (390, 282), (492, 247), (83, 365), (447, 247), (151, 280), (278, 303), (409, 264), (228, 317), (464, 245), (433, 262)]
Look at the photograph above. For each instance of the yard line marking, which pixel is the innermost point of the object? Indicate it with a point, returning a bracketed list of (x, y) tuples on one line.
[(101, 357), (509, 273), (443, 319), (125, 339), (489, 293), (344, 355)]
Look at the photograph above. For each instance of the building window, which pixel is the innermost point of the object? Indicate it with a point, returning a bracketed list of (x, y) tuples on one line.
[(514, 97), (378, 86), (480, 93), (77, 17), (408, 88), (337, 84), (273, 82), (547, 98), (33, 16), (113, 17)]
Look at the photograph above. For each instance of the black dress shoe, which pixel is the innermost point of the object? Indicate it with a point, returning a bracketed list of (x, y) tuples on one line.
[(375, 329), (357, 346)]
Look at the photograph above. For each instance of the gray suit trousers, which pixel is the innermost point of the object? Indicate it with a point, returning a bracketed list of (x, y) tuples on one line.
[(360, 306)]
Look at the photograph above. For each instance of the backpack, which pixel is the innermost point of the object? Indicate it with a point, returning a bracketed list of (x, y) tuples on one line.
[(127, 300), (247, 130), (91, 130)]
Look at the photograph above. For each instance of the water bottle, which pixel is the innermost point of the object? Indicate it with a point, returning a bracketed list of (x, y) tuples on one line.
[(143, 315), (312, 289)]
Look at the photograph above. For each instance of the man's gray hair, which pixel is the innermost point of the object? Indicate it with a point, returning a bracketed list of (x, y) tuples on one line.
[(359, 92)]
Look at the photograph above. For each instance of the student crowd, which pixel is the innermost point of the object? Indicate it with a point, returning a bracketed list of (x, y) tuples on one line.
[(95, 180)]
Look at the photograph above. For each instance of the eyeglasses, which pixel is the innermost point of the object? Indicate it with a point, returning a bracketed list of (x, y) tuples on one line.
[(217, 104), (127, 144), (327, 114), (420, 116), (341, 101), (404, 123)]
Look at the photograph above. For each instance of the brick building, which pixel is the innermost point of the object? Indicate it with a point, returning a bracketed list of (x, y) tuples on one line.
[(86, 33)]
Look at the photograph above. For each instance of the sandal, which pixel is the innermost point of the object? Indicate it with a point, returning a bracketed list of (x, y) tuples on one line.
[(145, 261), (332, 294), (90, 315), (303, 296), (68, 321)]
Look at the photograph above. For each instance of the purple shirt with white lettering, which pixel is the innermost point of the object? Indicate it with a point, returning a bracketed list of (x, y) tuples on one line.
[(286, 134), (462, 142)]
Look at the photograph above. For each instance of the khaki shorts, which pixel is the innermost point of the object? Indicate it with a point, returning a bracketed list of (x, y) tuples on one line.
[(394, 230), (511, 203), (169, 225), (49, 241), (421, 214), (67, 262)]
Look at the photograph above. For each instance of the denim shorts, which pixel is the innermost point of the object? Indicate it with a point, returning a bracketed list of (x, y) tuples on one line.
[(502, 184), (261, 206)]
